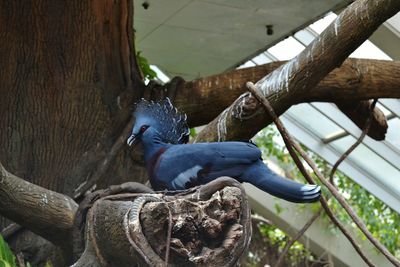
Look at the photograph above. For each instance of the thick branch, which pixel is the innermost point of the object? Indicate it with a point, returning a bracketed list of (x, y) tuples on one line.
[(359, 113), (211, 227), (355, 79), (44, 212), (297, 77)]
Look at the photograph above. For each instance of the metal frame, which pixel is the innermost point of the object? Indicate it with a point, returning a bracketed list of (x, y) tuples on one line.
[(381, 148), (371, 183)]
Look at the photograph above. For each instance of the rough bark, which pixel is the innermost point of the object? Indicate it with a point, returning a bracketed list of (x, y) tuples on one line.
[(210, 226), (355, 79), (296, 78), (202, 226), (64, 66), (67, 79), (45, 212), (359, 112)]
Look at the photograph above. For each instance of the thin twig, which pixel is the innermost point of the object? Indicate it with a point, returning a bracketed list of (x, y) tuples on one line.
[(290, 144), (105, 163), (294, 239), (359, 140), (346, 233)]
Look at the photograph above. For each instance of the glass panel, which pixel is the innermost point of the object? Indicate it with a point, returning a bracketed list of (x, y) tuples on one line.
[(313, 120), (385, 111), (369, 50), (365, 158), (392, 104), (247, 65), (304, 36), (394, 22), (393, 133), (320, 25), (287, 49), (261, 59)]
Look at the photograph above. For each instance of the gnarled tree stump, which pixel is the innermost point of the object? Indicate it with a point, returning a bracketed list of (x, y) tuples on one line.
[(203, 226)]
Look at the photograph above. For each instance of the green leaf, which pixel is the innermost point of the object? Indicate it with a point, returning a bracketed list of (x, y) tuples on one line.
[(4, 263), (144, 66), (278, 208), (7, 258), (193, 132)]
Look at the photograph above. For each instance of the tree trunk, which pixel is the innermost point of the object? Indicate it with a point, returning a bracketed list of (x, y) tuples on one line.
[(63, 69), (68, 77)]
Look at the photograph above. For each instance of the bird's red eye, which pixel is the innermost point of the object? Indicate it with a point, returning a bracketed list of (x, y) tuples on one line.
[(143, 128)]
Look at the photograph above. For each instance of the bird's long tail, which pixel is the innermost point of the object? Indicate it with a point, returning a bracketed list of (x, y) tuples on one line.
[(262, 177)]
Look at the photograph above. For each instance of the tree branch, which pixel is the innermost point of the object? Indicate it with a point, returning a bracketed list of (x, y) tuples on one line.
[(295, 79), (355, 79), (354, 146), (42, 211), (359, 113), (291, 146), (290, 242)]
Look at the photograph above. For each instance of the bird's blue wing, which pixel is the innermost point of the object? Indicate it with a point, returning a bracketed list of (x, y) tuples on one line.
[(183, 166)]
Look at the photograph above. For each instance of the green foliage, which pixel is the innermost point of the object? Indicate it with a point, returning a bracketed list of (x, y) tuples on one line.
[(7, 258), (380, 219), (193, 132), (297, 253), (144, 66)]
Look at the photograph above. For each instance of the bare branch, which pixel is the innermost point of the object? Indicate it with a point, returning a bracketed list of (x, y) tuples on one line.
[(44, 212), (290, 144), (294, 239), (293, 79), (354, 80), (359, 140)]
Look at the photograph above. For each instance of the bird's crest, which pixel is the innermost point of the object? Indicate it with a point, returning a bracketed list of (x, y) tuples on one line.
[(171, 124)]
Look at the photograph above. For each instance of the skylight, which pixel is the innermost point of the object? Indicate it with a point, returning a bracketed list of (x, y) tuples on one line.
[(328, 132)]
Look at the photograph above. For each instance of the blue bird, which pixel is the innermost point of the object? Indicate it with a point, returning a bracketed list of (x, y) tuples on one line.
[(174, 165)]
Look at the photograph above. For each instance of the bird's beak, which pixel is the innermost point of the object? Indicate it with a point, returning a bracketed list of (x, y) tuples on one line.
[(132, 140)]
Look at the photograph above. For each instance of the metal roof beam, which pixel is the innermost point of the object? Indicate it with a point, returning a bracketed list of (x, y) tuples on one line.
[(357, 174)]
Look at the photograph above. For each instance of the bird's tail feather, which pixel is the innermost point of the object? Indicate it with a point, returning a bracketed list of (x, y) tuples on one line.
[(265, 179)]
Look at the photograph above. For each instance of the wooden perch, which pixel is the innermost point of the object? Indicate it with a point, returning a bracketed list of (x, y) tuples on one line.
[(44, 212), (209, 224), (296, 78), (354, 80), (211, 227)]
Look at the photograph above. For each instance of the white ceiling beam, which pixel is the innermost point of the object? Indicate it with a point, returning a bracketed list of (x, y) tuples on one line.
[(369, 182)]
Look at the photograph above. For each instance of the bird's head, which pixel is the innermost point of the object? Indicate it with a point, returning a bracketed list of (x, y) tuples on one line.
[(159, 120)]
